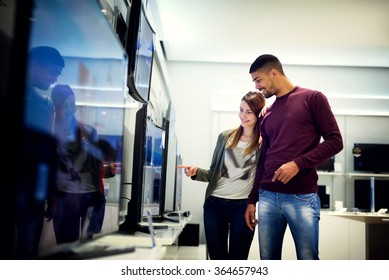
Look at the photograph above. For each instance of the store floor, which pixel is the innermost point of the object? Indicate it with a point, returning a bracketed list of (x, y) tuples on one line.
[(186, 252), (197, 253)]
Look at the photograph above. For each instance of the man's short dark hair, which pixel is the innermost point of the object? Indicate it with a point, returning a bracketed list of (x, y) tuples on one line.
[(266, 62), (46, 55)]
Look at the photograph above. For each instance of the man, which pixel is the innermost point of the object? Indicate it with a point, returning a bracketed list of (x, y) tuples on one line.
[(285, 186), (45, 64), (39, 150)]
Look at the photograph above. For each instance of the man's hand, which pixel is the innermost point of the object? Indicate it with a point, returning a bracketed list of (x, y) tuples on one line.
[(286, 172), (249, 216)]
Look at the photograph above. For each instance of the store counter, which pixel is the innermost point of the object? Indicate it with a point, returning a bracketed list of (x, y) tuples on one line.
[(376, 232)]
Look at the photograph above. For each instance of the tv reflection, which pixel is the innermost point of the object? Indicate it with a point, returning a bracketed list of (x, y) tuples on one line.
[(78, 208)]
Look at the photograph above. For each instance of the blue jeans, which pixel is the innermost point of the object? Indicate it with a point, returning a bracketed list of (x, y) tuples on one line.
[(226, 233), (300, 211)]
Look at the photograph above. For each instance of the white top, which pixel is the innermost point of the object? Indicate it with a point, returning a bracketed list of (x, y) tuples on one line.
[(238, 174)]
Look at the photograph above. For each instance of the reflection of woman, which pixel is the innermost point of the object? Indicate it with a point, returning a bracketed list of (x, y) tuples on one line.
[(230, 177), (80, 171)]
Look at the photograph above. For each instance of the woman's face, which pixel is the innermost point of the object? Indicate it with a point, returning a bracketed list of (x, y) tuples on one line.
[(247, 117), (68, 108)]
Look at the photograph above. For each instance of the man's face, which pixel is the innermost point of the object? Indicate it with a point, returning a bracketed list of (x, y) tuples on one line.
[(264, 82), (44, 75)]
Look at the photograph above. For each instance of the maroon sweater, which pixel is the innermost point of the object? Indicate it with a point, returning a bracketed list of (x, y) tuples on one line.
[(291, 131)]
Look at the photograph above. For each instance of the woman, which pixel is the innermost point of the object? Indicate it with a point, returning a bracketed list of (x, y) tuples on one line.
[(80, 186), (230, 177)]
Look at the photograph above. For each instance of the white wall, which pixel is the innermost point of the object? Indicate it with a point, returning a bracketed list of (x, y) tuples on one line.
[(198, 90)]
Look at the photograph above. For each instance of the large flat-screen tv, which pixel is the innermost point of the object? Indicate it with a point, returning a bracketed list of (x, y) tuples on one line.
[(148, 175), (140, 47), (371, 157), (362, 196), (51, 168)]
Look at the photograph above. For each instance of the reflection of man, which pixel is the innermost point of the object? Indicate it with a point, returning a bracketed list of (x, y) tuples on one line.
[(44, 65)]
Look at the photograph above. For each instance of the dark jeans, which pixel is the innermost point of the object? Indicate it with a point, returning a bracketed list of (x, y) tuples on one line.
[(29, 225), (70, 215), (226, 232)]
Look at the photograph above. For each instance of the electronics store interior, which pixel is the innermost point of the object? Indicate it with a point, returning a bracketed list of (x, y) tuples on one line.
[(147, 120)]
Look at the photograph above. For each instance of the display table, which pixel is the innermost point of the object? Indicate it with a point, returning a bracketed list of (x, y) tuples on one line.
[(142, 242), (376, 228), (163, 237), (156, 253), (366, 217)]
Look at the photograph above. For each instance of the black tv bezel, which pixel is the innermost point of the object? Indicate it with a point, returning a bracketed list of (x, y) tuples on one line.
[(137, 11), (133, 216)]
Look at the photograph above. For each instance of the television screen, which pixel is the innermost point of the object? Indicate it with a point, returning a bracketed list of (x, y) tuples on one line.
[(362, 194), (140, 51), (371, 157), (153, 171), (171, 169)]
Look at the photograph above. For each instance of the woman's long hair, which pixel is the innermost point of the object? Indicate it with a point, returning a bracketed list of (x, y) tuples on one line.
[(256, 102)]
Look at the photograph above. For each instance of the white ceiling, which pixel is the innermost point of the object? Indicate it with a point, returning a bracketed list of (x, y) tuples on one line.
[(312, 32)]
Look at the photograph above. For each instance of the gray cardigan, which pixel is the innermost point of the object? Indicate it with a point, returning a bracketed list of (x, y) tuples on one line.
[(212, 175)]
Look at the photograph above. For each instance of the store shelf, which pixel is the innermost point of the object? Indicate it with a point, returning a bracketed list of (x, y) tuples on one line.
[(325, 173), (376, 175)]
